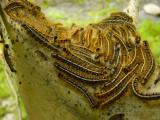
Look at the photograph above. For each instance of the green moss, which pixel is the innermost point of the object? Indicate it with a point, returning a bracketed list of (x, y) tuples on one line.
[(3, 111), (108, 1), (102, 12), (4, 88), (56, 15), (45, 4), (80, 1), (150, 31), (22, 108)]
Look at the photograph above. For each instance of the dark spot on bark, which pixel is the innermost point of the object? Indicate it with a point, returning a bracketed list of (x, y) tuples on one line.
[(139, 106), (20, 82), (41, 55), (34, 68), (75, 105), (25, 56), (108, 113)]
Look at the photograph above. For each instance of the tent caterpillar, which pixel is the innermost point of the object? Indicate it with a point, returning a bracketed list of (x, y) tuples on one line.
[(136, 86), (148, 65), (82, 68), (115, 86), (41, 39), (115, 94), (122, 16), (80, 88), (8, 58), (78, 76)]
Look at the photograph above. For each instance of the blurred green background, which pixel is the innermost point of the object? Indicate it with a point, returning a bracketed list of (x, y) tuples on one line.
[(83, 12)]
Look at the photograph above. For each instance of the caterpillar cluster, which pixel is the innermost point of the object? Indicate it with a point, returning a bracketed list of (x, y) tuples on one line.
[(100, 60)]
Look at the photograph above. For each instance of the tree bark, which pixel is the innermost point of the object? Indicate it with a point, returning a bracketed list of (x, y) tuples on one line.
[(133, 10), (46, 97)]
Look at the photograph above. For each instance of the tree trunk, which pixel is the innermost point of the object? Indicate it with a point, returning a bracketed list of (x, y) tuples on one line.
[(46, 97)]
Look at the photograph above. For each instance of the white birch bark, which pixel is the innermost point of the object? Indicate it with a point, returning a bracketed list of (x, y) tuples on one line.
[(47, 98)]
